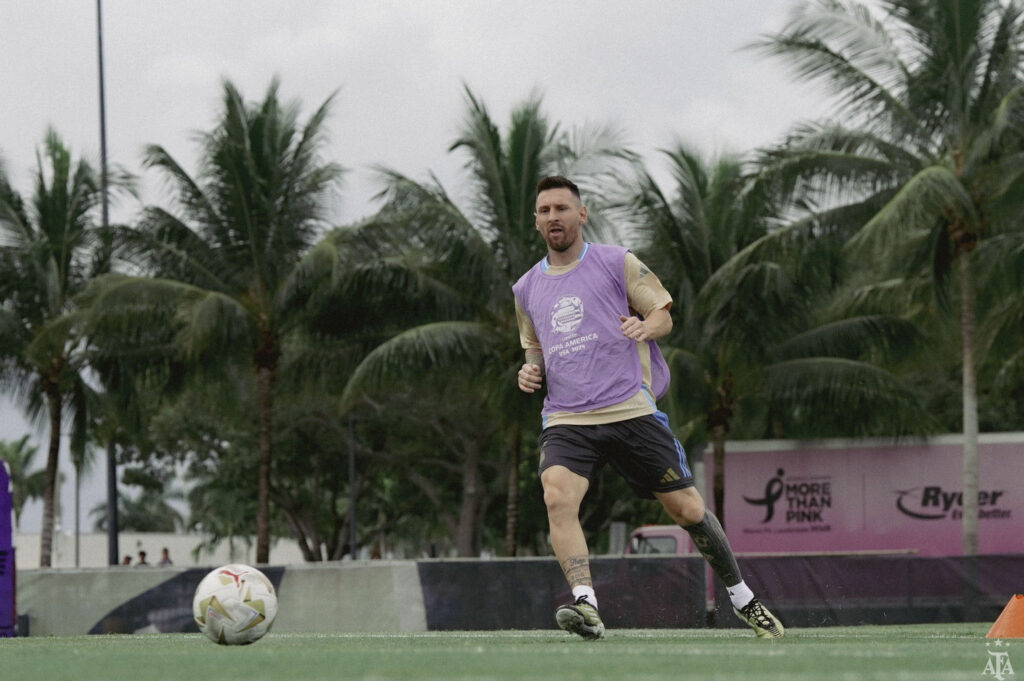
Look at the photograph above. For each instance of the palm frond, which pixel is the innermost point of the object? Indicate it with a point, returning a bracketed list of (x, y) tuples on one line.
[(52, 338), (779, 245), (318, 364), (188, 193), (259, 198), (596, 153), (442, 349), (1003, 52), (164, 318), (15, 228), (212, 323), (687, 392), (897, 295), (421, 219), (844, 46), (163, 245), (14, 334), (931, 195), (870, 399), (1004, 130), (670, 243), (1010, 372), (1001, 259), (833, 163), (853, 338), (481, 138)]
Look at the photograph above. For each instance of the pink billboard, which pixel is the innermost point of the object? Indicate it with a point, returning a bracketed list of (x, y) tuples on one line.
[(871, 496)]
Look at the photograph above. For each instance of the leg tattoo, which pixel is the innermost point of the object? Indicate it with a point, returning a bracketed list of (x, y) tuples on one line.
[(712, 543), (577, 570)]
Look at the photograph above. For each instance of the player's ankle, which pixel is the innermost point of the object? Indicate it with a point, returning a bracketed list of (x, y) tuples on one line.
[(587, 592), (740, 594)]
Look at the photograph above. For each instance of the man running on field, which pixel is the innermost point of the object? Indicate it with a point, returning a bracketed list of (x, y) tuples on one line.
[(589, 315)]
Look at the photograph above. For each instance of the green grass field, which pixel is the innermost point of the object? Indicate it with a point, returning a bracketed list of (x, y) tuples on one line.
[(905, 653)]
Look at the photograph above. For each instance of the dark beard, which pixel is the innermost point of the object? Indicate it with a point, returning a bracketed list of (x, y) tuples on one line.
[(566, 245)]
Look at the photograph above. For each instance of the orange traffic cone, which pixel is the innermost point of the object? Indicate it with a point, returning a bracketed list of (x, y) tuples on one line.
[(1010, 624)]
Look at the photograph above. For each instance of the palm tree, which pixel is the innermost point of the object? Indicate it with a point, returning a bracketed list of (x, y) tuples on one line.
[(25, 484), (221, 255), (931, 97), (151, 511), (751, 352), (219, 515), (448, 270), (1001, 263), (52, 248)]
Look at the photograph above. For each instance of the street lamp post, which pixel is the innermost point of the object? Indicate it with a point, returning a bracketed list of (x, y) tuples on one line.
[(113, 551)]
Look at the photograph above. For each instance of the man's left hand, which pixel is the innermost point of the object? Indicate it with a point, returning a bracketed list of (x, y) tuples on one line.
[(634, 327)]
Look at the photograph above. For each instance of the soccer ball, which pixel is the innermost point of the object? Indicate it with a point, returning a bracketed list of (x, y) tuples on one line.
[(235, 605)]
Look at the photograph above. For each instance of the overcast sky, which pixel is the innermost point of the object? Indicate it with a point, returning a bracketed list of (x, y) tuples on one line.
[(661, 70)]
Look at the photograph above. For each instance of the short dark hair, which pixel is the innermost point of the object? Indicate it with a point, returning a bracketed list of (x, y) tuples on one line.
[(558, 182)]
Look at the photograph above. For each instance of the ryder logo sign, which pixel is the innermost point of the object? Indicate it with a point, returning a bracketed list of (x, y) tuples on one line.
[(934, 502), (799, 500)]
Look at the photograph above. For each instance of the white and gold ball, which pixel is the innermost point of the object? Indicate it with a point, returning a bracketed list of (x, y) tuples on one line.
[(235, 604)]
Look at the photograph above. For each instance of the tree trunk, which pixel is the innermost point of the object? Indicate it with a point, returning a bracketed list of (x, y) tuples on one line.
[(78, 505), (512, 508), (353, 494), (264, 388), (310, 553), (113, 549), (339, 543), (466, 531), (718, 444), (719, 419), (970, 407), (49, 493)]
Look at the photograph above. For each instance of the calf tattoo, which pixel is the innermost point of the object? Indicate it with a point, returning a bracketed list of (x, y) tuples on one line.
[(712, 543), (577, 570)]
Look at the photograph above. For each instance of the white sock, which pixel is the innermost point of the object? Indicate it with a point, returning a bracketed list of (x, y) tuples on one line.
[(587, 591), (740, 594)]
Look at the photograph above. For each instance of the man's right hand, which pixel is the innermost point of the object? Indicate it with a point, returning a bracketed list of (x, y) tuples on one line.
[(530, 378)]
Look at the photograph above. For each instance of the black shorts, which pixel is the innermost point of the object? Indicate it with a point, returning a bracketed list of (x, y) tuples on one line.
[(642, 450)]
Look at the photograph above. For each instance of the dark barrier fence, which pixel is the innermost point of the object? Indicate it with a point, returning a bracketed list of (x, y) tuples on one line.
[(662, 592), (813, 591)]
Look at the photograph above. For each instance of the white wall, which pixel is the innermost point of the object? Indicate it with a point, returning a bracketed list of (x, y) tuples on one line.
[(350, 596)]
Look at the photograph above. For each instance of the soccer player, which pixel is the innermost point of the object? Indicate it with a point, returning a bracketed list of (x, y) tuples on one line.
[(589, 315)]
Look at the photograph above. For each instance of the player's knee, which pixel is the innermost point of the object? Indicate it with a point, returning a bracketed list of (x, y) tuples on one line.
[(685, 507), (561, 503), (556, 500)]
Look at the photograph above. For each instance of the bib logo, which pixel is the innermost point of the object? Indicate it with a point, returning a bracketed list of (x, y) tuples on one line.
[(804, 499), (567, 314)]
